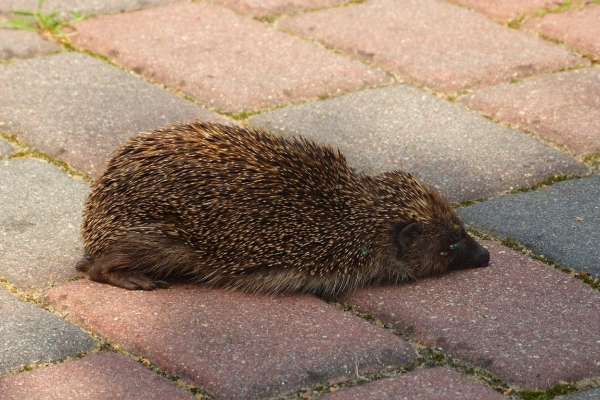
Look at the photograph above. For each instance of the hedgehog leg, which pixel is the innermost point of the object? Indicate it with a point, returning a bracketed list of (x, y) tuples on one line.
[(103, 270), (138, 261)]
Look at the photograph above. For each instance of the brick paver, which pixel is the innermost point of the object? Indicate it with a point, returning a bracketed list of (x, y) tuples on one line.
[(563, 108), (440, 45), (593, 394), (560, 221), (426, 384), (393, 85), (79, 109), (101, 376), (506, 9), (234, 345), (30, 335), (260, 8), (23, 44), (228, 61), (520, 319), (578, 28), (441, 143), (83, 6), (40, 214), (6, 148)]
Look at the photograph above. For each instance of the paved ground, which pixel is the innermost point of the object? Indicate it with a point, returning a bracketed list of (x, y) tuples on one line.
[(495, 103)]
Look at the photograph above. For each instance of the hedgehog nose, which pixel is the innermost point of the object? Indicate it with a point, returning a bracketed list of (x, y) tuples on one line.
[(484, 258)]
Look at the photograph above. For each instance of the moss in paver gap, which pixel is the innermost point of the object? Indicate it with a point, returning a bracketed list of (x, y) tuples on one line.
[(558, 390), (548, 181), (583, 276), (565, 5), (560, 224), (50, 25), (429, 358), (24, 151), (42, 338), (540, 12), (593, 160)]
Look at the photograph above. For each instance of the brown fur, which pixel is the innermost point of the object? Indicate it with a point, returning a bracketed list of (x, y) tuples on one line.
[(245, 209)]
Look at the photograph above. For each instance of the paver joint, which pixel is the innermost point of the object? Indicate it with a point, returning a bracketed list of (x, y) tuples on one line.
[(483, 100)]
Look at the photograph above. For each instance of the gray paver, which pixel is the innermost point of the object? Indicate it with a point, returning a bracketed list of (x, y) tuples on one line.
[(83, 6), (6, 149), (440, 45), (30, 335), (228, 61), (593, 394), (260, 8), (40, 214), (506, 9), (441, 143), (16, 43), (578, 28), (425, 384), (561, 222), (562, 107), (231, 344), (524, 321), (99, 376), (79, 109)]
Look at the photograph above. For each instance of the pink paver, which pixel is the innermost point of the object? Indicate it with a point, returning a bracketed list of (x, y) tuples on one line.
[(520, 319), (440, 45), (507, 9), (231, 344), (101, 376), (578, 28), (260, 8), (424, 384), (227, 61), (563, 107)]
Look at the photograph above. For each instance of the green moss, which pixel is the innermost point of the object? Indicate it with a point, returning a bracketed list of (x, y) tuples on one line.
[(23, 151), (516, 23), (548, 181), (268, 19), (593, 160), (564, 6), (583, 276), (51, 24), (558, 390), (466, 203), (241, 116)]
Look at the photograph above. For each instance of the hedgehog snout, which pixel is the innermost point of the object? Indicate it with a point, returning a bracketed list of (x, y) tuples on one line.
[(483, 259), (470, 254)]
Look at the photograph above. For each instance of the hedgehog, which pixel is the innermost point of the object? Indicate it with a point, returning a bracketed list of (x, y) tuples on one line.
[(242, 208)]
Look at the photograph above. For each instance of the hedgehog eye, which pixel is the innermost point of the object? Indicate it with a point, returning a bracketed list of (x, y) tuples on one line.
[(455, 246)]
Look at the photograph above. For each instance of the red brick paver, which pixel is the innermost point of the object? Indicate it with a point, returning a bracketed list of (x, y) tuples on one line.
[(427, 384), (563, 107), (506, 9), (228, 61), (525, 322), (578, 28), (232, 344), (102, 376), (440, 45), (522, 320), (260, 8)]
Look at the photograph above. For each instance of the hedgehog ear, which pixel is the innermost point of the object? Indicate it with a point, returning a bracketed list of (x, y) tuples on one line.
[(404, 236)]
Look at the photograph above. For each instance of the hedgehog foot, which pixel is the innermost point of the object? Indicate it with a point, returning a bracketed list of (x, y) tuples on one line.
[(102, 270)]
